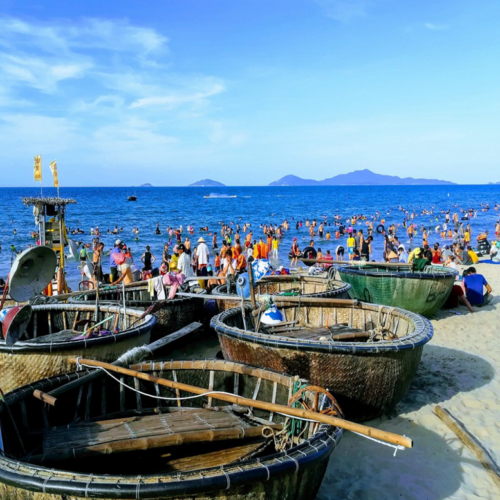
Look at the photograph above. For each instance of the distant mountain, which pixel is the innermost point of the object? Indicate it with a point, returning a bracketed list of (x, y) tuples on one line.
[(358, 178), (293, 180), (206, 183), (147, 185)]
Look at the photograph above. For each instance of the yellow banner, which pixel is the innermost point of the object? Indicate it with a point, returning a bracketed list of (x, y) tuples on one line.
[(38, 168), (53, 167)]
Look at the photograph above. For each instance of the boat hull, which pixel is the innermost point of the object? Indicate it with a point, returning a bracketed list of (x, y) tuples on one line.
[(295, 474), (23, 362), (368, 380)]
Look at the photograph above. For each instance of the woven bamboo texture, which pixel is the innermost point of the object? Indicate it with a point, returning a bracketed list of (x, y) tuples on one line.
[(294, 474), (25, 362), (306, 286), (422, 293), (174, 313), (368, 379)]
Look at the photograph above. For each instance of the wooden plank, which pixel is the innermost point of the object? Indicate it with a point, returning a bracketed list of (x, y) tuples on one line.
[(177, 392), (137, 386), (89, 401), (78, 402), (482, 454), (122, 394), (211, 386)]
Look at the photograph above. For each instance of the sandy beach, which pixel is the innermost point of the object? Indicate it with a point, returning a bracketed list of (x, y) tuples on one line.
[(458, 371)]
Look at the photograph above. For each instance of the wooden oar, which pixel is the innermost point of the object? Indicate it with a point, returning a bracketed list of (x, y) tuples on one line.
[(51, 397), (261, 405)]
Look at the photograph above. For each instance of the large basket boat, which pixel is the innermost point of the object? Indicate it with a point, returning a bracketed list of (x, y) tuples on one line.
[(53, 336), (422, 292), (366, 355), (106, 441), (171, 314), (292, 284)]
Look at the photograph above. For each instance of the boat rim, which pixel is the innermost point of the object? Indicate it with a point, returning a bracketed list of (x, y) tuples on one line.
[(370, 272)]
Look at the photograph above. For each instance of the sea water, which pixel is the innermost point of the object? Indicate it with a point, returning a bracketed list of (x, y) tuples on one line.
[(175, 206)]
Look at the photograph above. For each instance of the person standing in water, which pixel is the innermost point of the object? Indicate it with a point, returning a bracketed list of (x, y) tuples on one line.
[(147, 259)]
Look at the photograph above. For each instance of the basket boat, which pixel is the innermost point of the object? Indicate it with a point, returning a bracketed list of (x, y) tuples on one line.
[(105, 441), (171, 315), (420, 292), (47, 345), (296, 284), (366, 355)]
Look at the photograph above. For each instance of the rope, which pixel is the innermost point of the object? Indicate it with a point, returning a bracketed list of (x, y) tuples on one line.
[(396, 447)]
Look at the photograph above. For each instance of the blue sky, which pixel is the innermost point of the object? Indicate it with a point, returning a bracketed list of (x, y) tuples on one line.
[(247, 91)]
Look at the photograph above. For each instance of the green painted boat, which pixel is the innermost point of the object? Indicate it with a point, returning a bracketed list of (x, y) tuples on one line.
[(422, 292)]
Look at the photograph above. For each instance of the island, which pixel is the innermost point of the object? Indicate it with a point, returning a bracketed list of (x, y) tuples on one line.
[(359, 178), (207, 183), (147, 185)]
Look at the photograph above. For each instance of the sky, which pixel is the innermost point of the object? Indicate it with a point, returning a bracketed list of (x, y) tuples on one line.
[(169, 92)]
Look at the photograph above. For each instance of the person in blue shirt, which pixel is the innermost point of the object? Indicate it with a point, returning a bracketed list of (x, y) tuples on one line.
[(474, 284)]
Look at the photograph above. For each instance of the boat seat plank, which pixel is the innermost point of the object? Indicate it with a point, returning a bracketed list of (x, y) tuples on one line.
[(145, 433)]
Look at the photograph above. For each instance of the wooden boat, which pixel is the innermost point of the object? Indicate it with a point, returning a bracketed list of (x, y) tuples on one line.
[(171, 314), (366, 355), (50, 340), (293, 284), (419, 292), (105, 441)]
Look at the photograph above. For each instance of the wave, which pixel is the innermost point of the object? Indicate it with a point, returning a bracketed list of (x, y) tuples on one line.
[(215, 195)]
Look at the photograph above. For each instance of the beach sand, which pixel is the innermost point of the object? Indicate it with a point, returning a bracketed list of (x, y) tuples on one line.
[(458, 371)]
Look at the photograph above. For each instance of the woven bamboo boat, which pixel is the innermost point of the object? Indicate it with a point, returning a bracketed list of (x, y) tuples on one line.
[(366, 355), (172, 314), (105, 441), (419, 292), (46, 347), (294, 284)]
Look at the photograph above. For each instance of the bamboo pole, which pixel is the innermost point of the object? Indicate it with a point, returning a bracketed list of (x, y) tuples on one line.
[(482, 454), (230, 398)]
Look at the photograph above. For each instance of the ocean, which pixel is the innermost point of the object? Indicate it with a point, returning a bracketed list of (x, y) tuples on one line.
[(175, 206)]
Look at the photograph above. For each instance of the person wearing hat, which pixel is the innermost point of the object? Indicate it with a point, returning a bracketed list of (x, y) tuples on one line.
[(203, 259), (414, 254), (184, 263), (113, 266)]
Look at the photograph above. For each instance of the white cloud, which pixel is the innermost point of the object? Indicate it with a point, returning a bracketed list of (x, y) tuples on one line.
[(436, 27), (173, 100)]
